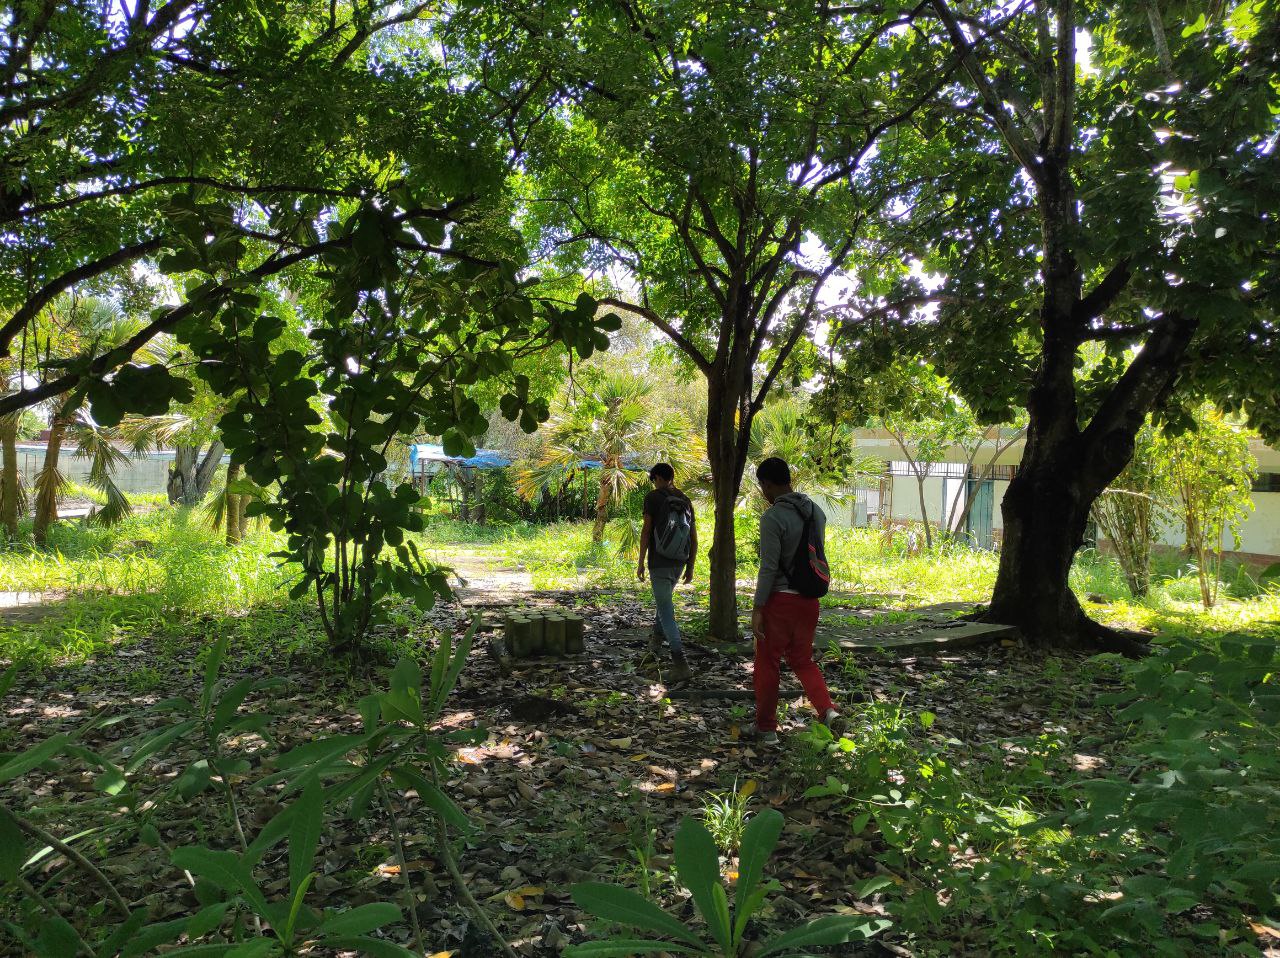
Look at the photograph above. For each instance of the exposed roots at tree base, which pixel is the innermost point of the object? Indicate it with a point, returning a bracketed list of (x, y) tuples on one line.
[(1084, 635)]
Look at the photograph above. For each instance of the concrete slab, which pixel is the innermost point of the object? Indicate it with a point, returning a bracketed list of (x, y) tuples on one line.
[(917, 637)]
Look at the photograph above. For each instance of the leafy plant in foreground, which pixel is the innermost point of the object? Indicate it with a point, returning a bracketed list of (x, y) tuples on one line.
[(698, 866), (236, 914)]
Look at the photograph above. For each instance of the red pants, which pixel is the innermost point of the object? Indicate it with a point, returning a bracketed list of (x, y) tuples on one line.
[(789, 624)]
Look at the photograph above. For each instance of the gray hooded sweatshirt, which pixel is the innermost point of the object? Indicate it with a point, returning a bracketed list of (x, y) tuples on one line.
[(780, 529)]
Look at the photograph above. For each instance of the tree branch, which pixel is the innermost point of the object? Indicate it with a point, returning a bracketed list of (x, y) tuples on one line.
[(688, 348), (1093, 305), (1023, 150), (47, 293)]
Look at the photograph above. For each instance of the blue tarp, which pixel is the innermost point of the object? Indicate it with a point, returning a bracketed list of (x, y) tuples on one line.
[(483, 459)]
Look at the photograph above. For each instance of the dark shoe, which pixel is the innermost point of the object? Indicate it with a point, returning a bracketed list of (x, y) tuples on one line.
[(834, 721), (680, 671), (754, 735)]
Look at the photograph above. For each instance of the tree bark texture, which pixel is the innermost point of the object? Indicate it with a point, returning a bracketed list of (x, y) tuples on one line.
[(49, 481), (9, 474), (190, 476)]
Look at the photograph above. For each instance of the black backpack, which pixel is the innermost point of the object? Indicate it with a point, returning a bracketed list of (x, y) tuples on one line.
[(673, 531), (809, 574)]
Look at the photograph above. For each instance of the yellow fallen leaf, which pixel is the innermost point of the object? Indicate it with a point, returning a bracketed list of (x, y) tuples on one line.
[(621, 742), (640, 757), (388, 869), (731, 875), (666, 787), (748, 788), (530, 891), (514, 900), (441, 954), (1265, 930)]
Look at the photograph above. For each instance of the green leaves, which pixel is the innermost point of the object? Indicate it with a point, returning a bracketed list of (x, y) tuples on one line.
[(759, 839), (830, 930), (13, 847), (304, 835), (698, 866), (359, 920), (614, 903)]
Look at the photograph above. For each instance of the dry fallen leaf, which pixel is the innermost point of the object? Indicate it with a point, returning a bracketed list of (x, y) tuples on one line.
[(514, 900), (441, 954), (1265, 930), (621, 742), (666, 787), (748, 788)]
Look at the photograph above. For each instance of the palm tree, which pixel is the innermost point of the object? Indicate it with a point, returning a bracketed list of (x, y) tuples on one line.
[(82, 326), (818, 465), (618, 422)]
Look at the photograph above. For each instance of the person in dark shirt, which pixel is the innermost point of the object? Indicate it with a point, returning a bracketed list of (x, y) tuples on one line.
[(665, 570)]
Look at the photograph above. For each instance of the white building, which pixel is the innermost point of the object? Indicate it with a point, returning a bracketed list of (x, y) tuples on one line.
[(950, 483)]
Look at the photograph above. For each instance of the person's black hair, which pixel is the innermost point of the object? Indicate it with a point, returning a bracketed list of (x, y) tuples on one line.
[(662, 471), (774, 470)]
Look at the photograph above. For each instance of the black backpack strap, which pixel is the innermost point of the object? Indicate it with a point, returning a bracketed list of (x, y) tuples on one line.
[(806, 535)]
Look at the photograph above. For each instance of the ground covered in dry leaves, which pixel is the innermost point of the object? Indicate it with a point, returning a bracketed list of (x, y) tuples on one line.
[(588, 766)]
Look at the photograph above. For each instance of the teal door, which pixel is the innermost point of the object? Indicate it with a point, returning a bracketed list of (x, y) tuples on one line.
[(978, 525)]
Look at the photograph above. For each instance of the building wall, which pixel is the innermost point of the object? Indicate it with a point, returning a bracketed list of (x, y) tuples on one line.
[(139, 476), (1259, 533)]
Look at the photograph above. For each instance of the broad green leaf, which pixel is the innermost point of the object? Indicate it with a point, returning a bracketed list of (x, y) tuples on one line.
[(146, 939), (377, 947), (230, 702), (124, 932), (207, 919), (759, 839), (57, 939), (6, 681), (359, 920), (24, 762), (304, 835), (698, 866), (624, 948), (830, 930), (225, 870), (211, 666), (13, 846), (615, 903), (431, 796)]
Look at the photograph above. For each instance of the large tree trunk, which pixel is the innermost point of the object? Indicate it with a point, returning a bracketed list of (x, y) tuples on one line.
[(190, 476), (9, 474), (1065, 468), (728, 430), (1045, 511), (49, 482)]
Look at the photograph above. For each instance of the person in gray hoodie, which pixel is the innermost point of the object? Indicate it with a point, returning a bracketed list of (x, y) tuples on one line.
[(782, 620)]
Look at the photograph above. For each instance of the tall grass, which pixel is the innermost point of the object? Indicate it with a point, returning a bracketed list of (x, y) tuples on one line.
[(153, 574)]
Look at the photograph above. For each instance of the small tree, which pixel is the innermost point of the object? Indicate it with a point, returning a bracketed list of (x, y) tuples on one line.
[(1210, 472), (1127, 513), (616, 422)]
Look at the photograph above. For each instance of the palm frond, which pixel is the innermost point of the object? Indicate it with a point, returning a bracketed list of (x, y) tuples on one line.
[(117, 507)]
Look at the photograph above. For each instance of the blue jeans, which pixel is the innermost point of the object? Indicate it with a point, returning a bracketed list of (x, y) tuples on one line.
[(664, 623)]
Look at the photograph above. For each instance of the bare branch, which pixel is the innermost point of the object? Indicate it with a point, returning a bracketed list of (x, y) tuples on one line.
[(688, 348)]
